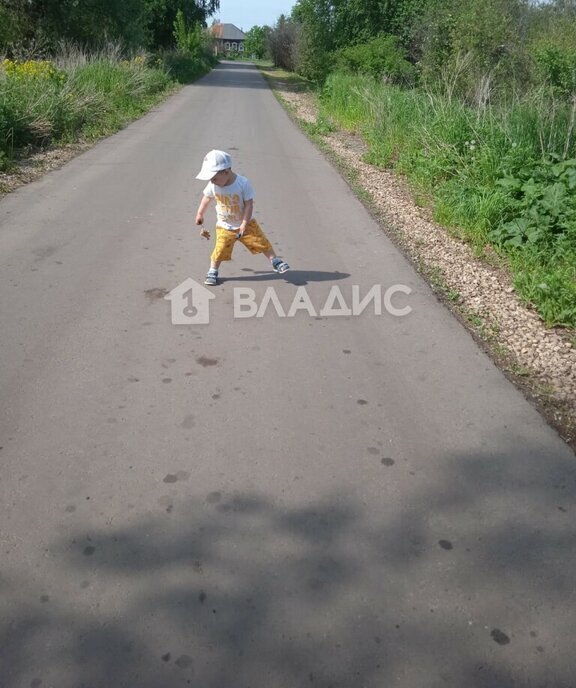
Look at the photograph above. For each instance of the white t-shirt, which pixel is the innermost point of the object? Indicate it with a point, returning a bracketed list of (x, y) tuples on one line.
[(230, 201)]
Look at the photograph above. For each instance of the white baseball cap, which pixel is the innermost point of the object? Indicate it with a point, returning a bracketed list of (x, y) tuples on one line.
[(214, 161)]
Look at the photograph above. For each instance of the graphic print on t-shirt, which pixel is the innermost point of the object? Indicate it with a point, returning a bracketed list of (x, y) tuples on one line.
[(230, 201), (230, 208)]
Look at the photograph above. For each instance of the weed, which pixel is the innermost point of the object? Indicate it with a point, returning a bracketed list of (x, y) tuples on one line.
[(321, 127), (5, 162), (475, 320), (519, 370)]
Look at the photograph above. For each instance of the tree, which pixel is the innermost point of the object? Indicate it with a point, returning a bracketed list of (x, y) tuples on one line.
[(135, 23), (552, 46), (189, 39), (161, 15), (256, 41), (331, 25), (474, 48), (281, 43), (89, 23), (314, 38), (11, 25)]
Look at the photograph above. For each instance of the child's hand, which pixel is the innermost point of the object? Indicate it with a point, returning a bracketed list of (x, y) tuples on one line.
[(204, 233), (199, 219), (240, 231)]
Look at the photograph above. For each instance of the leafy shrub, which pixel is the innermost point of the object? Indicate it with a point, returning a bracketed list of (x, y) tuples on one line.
[(472, 50), (380, 57), (542, 208), (11, 28), (184, 68), (189, 39), (557, 67)]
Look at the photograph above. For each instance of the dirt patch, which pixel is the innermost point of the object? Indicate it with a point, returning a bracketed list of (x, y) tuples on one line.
[(156, 293), (34, 165)]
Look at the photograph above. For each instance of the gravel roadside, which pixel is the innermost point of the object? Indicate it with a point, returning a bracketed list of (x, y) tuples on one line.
[(541, 361), (32, 167)]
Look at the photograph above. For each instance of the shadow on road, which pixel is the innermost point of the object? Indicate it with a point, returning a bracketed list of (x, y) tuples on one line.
[(468, 585), (295, 277)]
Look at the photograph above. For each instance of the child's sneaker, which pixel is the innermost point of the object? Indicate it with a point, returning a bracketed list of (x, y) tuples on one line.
[(211, 279), (280, 266)]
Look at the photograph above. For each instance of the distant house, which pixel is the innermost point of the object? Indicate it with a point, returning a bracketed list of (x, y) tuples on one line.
[(229, 38)]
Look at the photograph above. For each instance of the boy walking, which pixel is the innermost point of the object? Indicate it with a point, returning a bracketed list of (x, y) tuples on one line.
[(234, 198)]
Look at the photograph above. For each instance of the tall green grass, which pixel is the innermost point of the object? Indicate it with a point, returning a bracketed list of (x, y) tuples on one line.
[(78, 95), (475, 166)]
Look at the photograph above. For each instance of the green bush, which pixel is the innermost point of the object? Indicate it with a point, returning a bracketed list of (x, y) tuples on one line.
[(541, 208), (380, 57), (557, 67), (184, 68)]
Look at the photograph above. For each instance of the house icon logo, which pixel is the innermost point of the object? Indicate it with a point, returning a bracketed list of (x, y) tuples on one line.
[(190, 303)]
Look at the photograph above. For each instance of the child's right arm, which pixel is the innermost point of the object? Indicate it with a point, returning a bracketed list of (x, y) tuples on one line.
[(204, 203)]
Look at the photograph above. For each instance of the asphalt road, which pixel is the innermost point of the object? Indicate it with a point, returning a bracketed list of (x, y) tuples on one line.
[(320, 496)]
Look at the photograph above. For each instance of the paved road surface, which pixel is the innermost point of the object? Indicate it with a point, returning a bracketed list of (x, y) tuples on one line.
[(258, 502)]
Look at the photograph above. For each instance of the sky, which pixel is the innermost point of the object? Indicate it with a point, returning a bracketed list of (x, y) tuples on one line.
[(245, 14)]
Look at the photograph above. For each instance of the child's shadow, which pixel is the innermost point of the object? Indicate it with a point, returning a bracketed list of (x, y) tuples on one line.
[(298, 278)]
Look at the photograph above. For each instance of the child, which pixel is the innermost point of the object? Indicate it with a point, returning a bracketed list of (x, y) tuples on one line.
[(234, 204)]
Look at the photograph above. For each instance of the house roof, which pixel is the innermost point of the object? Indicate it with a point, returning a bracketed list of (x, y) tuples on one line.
[(228, 32)]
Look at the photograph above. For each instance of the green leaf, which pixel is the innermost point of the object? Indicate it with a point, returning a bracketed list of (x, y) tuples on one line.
[(509, 183), (530, 188), (554, 196), (515, 241), (517, 227), (533, 235), (569, 178)]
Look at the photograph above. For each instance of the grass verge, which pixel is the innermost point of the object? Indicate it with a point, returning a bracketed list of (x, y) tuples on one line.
[(500, 178), (76, 97)]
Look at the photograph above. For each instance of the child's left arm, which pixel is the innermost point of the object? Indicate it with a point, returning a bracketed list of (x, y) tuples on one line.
[(246, 215)]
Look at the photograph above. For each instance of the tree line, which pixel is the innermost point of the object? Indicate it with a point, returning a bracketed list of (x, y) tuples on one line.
[(472, 48), (32, 26)]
